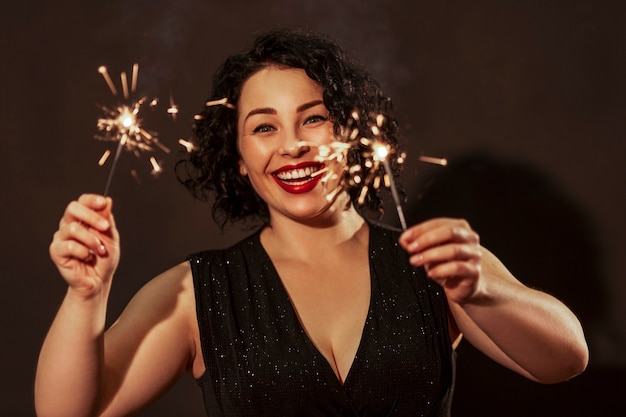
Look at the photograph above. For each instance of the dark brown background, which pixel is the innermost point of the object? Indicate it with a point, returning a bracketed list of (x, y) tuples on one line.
[(526, 99)]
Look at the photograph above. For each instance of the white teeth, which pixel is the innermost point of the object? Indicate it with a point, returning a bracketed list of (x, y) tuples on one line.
[(296, 174)]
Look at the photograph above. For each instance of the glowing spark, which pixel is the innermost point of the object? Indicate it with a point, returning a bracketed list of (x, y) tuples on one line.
[(373, 168), (320, 172), (366, 155), (156, 168), (363, 194), (123, 124), (124, 84), (103, 70), (381, 151), (172, 110), (135, 176), (104, 157), (188, 145), (223, 101), (376, 184), (133, 85), (436, 161), (364, 142)]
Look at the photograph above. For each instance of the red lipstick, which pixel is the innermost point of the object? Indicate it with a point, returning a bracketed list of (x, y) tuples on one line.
[(298, 179)]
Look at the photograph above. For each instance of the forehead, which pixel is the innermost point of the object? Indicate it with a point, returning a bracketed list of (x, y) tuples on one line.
[(273, 86)]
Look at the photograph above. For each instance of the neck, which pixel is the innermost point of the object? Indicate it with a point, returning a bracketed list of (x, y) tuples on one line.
[(302, 238)]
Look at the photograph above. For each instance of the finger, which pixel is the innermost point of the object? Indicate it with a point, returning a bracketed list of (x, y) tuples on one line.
[(457, 271), (412, 233), (437, 233), (447, 253), (426, 226), (77, 211), (81, 234), (62, 251), (94, 201)]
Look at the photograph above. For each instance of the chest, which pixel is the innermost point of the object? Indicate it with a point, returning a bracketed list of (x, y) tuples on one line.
[(331, 301), (261, 360)]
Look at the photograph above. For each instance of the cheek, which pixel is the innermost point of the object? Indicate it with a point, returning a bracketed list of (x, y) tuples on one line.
[(320, 134), (254, 155)]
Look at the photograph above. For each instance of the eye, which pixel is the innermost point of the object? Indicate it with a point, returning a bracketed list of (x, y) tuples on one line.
[(264, 128), (315, 119)]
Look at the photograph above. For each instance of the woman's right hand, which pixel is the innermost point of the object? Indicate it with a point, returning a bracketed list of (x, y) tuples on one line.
[(86, 248)]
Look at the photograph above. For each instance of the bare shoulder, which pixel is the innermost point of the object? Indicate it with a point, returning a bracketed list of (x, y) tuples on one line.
[(176, 275), (174, 281), (168, 297)]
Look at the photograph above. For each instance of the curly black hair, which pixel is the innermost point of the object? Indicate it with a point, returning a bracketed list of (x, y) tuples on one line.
[(213, 167)]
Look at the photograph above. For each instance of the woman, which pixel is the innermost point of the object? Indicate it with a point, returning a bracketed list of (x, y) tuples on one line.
[(320, 312)]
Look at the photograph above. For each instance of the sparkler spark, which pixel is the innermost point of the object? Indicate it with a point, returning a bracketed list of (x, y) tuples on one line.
[(373, 168), (187, 144), (123, 124), (436, 161), (172, 110), (223, 101)]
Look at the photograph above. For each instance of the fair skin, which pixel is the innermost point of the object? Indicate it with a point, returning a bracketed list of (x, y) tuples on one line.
[(84, 370)]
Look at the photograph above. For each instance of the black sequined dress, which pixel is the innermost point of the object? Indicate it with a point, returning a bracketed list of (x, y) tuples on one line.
[(260, 362)]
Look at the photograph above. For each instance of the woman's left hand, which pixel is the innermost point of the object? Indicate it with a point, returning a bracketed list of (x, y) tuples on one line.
[(451, 253)]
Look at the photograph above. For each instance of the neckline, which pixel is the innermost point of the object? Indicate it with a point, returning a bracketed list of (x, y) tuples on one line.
[(330, 373)]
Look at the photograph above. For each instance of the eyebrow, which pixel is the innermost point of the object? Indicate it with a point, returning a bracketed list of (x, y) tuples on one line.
[(308, 105), (271, 110)]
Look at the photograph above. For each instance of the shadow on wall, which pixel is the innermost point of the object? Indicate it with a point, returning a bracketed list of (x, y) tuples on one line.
[(546, 241)]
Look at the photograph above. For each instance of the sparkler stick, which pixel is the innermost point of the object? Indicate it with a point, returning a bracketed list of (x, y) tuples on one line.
[(120, 145), (395, 195)]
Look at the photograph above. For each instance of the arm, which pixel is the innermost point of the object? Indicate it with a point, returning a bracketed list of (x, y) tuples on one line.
[(83, 371), (526, 330)]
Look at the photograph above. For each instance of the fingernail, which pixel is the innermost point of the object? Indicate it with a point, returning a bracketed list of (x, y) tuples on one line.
[(101, 247), (417, 260)]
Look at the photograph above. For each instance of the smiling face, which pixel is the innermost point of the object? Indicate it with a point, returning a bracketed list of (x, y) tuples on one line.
[(281, 122)]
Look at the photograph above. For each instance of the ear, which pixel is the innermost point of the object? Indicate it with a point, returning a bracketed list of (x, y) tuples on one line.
[(242, 168)]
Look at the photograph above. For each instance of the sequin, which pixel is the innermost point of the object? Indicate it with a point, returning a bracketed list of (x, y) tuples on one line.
[(260, 361)]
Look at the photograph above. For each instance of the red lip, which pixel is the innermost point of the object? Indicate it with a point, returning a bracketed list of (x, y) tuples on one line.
[(302, 184)]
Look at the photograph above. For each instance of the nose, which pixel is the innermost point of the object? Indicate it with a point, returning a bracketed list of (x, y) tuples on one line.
[(293, 147)]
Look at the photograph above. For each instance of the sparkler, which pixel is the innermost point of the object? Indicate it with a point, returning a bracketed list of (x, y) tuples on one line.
[(374, 164), (123, 124)]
